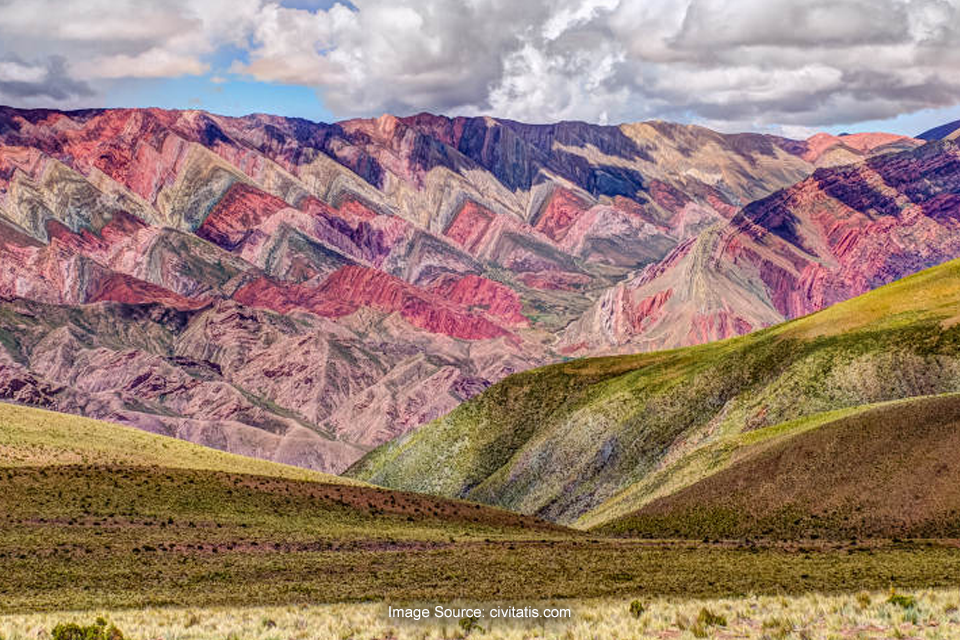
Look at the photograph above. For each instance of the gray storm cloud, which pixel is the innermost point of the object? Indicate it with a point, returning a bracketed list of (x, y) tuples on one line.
[(44, 80), (742, 63)]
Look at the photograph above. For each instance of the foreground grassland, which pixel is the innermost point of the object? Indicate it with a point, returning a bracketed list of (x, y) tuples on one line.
[(929, 615), (133, 531), (226, 540)]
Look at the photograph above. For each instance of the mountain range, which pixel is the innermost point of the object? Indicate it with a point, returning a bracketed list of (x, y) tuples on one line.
[(303, 292)]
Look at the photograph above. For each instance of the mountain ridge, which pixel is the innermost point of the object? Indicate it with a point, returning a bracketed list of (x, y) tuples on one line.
[(948, 131), (421, 259)]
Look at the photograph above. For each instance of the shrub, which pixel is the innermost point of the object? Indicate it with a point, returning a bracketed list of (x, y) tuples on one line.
[(471, 624), (637, 609), (901, 600), (778, 628), (99, 630), (705, 620)]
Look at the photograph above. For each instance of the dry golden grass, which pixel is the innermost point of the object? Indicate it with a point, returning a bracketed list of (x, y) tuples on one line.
[(933, 615)]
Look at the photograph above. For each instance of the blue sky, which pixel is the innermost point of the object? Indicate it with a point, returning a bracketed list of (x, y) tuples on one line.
[(223, 92), (908, 124), (234, 95), (231, 95), (783, 66)]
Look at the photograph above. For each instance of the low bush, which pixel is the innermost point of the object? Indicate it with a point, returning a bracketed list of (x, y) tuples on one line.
[(709, 619), (902, 601), (99, 630)]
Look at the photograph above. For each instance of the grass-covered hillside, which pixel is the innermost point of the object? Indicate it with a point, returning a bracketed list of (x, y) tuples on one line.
[(590, 441), (92, 512), (36, 438), (887, 470)]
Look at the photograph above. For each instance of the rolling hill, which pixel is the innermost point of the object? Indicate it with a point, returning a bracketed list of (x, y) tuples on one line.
[(304, 291), (883, 471), (31, 437), (93, 512), (592, 440), (71, 454)]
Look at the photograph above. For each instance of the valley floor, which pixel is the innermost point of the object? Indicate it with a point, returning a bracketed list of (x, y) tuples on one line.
[(46, 570), (929, 614), (176, 543)]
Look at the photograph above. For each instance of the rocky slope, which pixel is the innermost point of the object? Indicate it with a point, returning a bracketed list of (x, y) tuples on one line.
[(839, 233), (949, 131), (331, 286), (592, 440)]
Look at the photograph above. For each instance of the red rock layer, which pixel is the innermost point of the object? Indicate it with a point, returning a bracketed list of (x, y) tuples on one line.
[(560, 213), (646, 311), (819, 144), (469, 226), (496, 299), (554, 280), (351, 287), (718, 325), (243, 208)]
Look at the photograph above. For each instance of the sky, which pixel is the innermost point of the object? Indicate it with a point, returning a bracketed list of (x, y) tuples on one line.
[(790, 67)]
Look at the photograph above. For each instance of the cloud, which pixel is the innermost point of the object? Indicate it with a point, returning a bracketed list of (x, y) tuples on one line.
[(126, 38), (152, 63), (746, 63), (436, 55), (733, 63), (24, 83)]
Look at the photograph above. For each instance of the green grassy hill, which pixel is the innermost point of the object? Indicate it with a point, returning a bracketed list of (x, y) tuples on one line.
[(97, 512), (589, 441)]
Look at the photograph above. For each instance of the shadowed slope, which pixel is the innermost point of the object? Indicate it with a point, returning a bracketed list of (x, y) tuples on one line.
[(885, 471)]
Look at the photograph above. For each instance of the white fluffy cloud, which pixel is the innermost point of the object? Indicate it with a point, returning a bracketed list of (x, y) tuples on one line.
[(735, 63), (78, 44), (740, 63)]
